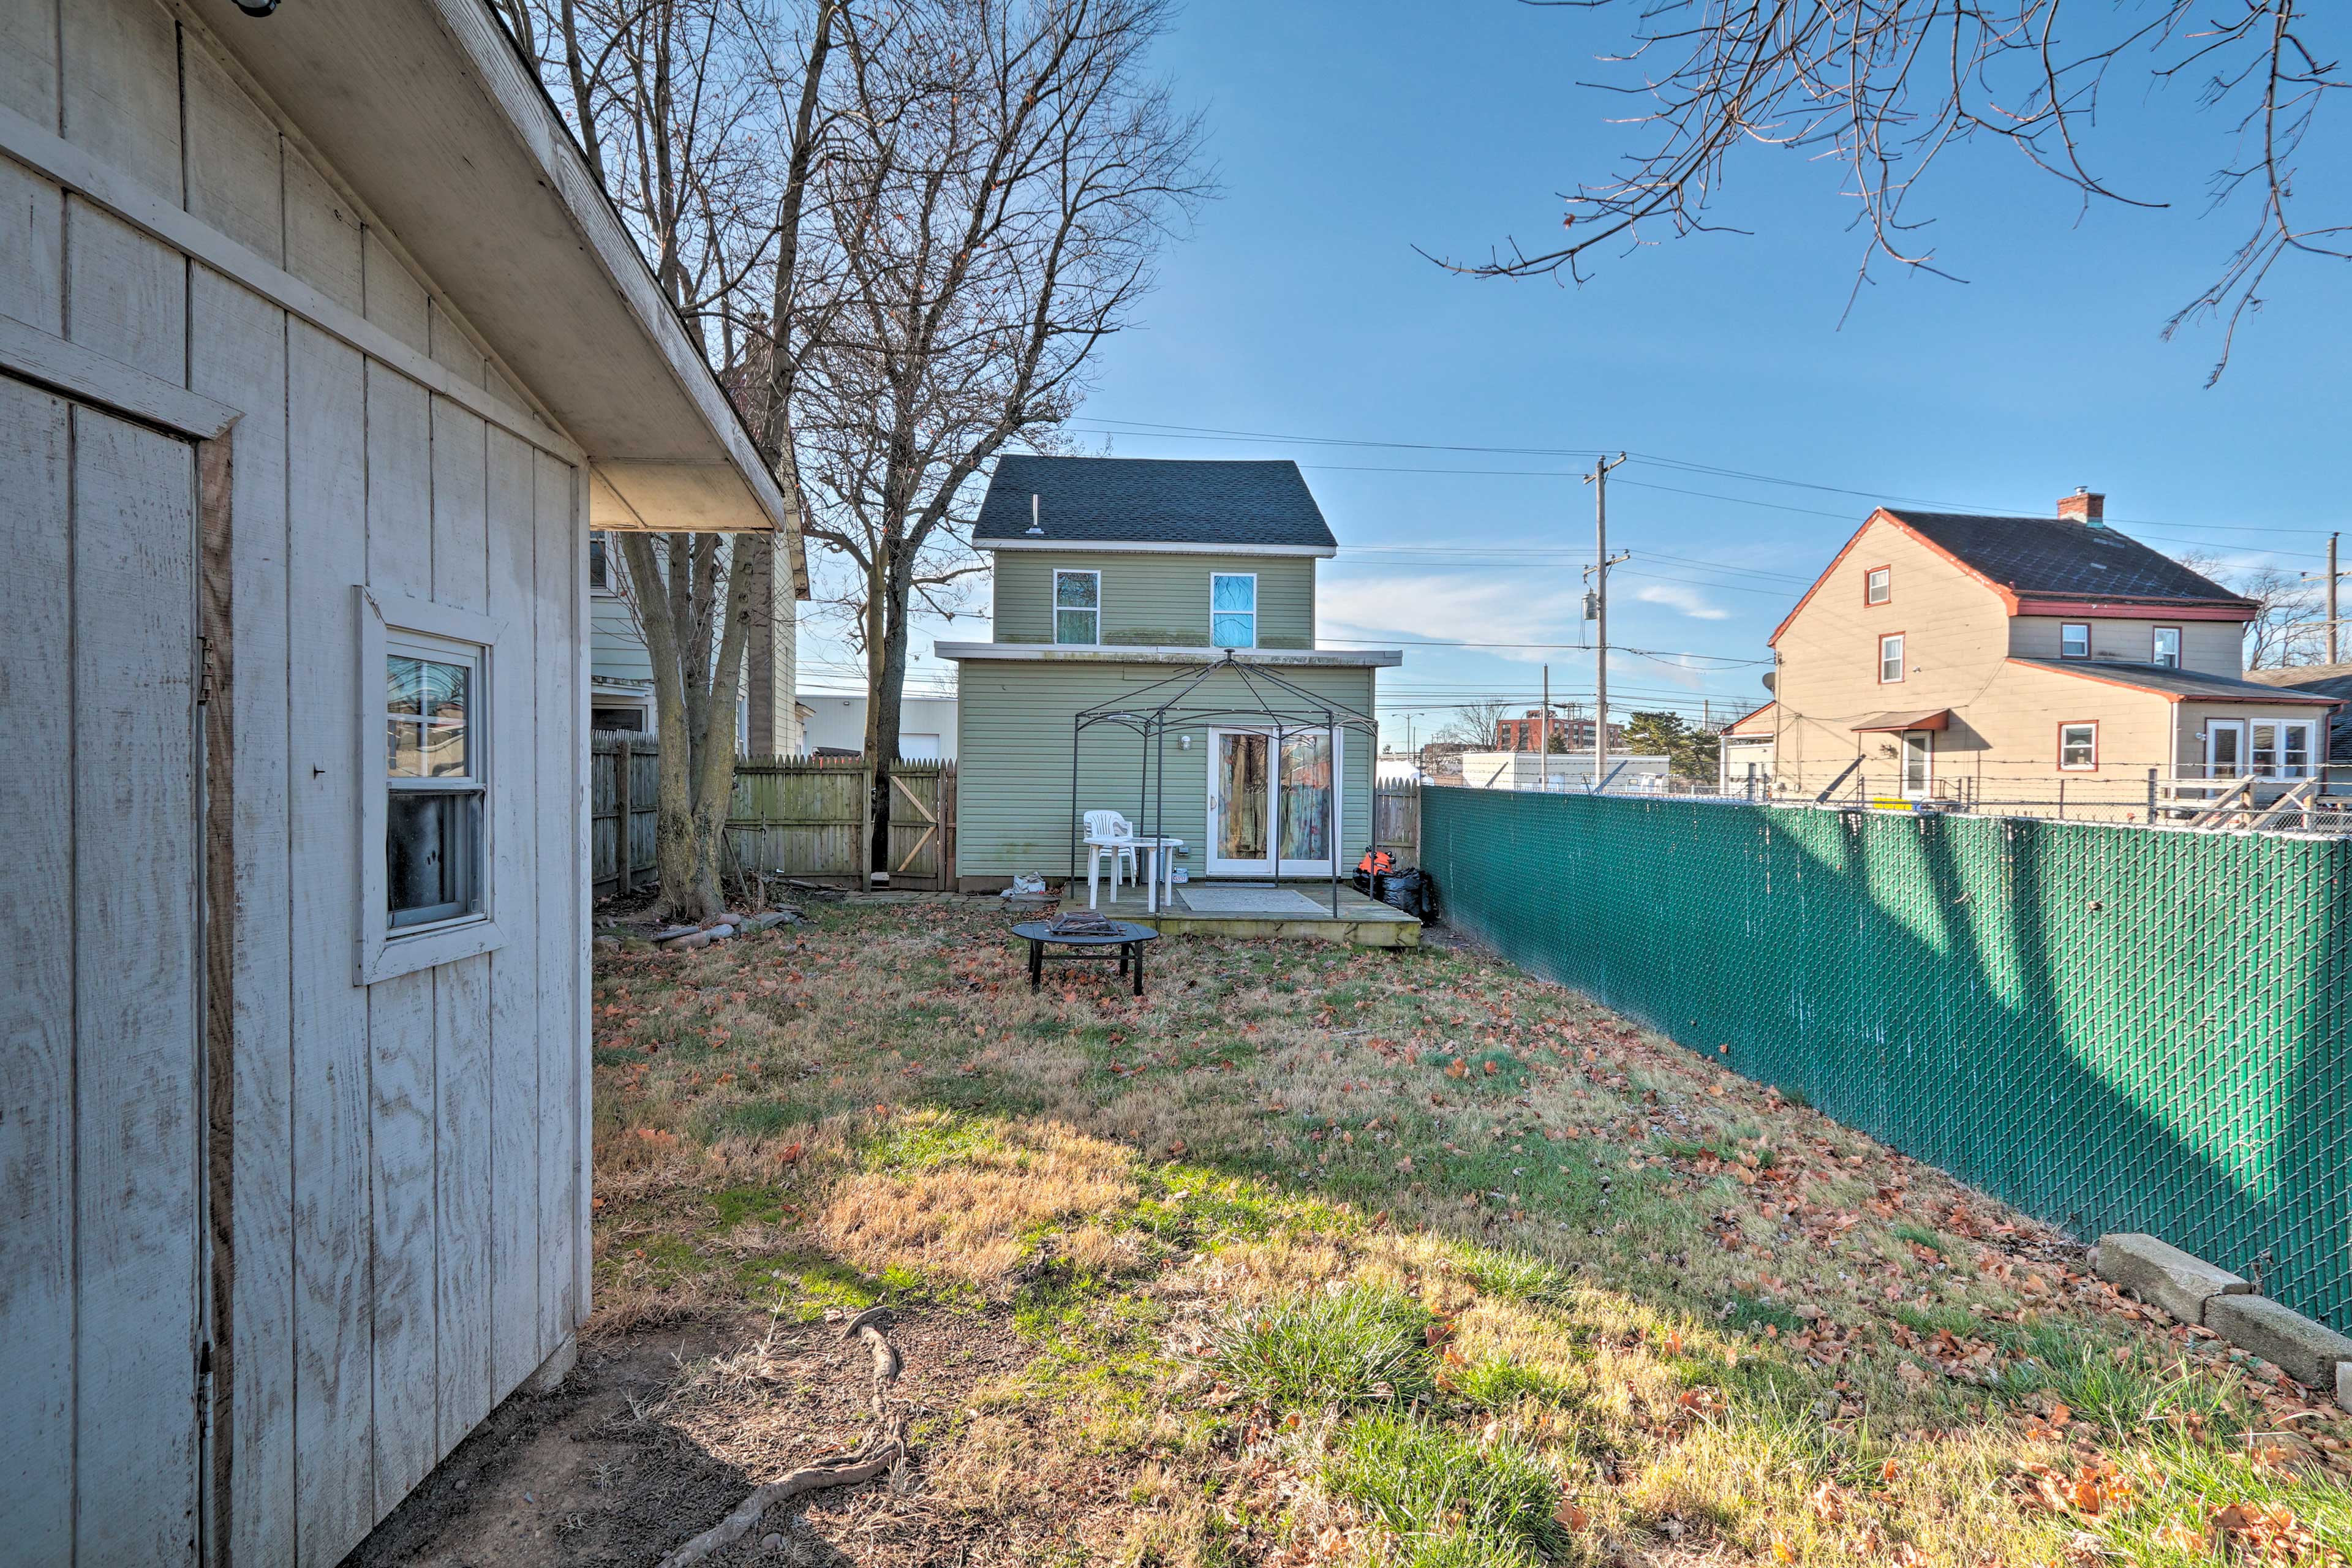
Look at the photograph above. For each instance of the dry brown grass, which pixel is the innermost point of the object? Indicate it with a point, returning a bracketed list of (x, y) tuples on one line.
[(1703, 1306)]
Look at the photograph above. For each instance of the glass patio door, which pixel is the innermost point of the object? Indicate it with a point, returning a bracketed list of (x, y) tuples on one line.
[(1270, 813), (2225, 748), (1238, 818)]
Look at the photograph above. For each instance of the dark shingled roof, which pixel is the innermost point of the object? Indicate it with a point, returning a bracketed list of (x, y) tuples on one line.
[(1151, 500), (2045, 555), (2173, 682)]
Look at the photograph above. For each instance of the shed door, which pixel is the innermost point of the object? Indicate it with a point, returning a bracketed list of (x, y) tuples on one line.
[(99, 1077)]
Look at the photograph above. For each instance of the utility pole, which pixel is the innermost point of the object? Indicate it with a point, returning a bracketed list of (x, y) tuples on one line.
[(2335, 621), (1543, 735), (1597, 611)]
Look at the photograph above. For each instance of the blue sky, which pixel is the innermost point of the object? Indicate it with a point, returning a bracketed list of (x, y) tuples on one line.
[(1348, 134)]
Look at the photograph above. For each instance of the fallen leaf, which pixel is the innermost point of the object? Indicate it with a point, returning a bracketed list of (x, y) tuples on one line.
[(1571, 1516)]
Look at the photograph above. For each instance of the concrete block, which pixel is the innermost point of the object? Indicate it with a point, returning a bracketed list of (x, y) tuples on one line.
[(554, 1369), (2306, 1352), (2163, 1275), (2344, 1384)]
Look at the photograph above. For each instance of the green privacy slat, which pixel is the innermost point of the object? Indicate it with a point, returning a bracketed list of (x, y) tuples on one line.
[(2111, 1028)]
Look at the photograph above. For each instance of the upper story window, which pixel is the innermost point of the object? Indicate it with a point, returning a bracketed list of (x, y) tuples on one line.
[(1078, 608), (1890, 658), (2166, 651), (600, 578), (1232, 609), (2074, 639), (1877, 586), (432, 780)]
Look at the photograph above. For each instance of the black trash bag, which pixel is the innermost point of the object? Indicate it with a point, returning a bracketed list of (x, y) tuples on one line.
[(1406, 890)]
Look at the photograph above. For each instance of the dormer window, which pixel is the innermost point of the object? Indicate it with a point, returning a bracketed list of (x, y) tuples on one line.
[(1078, 608), (1232, 609)]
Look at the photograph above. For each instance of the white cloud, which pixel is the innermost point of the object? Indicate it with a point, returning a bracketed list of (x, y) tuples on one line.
[(1441, 608), (1675, 596)]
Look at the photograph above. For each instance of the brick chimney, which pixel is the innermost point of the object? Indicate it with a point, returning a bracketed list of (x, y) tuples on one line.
[(2084, 505)]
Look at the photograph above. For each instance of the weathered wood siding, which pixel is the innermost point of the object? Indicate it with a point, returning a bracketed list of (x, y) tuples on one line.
[(1154, 601), (1013, 757), (394, 1174)]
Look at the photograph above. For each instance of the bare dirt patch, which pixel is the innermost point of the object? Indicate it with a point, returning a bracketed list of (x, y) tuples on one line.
[(661, 1430)]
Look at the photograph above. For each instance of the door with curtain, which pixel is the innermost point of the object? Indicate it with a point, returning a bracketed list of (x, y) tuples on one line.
[(1274, 802)]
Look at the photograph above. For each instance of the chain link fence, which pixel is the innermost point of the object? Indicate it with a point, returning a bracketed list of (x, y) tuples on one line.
[(2109, 1027)]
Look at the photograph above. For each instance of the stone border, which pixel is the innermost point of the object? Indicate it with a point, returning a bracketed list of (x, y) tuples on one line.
[(2195, 1291)]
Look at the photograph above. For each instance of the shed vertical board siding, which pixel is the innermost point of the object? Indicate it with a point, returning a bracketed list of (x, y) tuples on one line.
[(136, 1100), (560, 570), (461, 521), (399, 485), (32, 247), (322, 237), (401, 1288), (121, 73), (28, 59), (451, 348), (334, 1456), (36, 931), (126, 295), (462, 1197), (234, 181), (1012, 795), (513, 1295), (396, 300), (237, 354)]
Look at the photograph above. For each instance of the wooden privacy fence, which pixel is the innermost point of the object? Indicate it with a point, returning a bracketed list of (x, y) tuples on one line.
[(801, 816), (1396, 821)]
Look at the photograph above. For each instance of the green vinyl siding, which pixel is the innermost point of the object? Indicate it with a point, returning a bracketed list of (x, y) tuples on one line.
[(1154, 601), (1013, 811)]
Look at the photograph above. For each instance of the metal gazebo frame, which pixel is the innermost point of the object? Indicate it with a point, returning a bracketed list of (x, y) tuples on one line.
[(1291, 709)]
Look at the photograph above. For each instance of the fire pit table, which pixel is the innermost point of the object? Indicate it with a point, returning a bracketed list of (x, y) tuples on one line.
[(1126, 937)]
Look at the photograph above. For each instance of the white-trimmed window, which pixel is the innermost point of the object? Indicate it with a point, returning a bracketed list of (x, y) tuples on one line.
[(432, 780), (1232, 609), (427, 672), (2165, 648), (2078, 748), (1877, 586), (1077, 607), (2074, 639), (600, 564), (1890, 658)]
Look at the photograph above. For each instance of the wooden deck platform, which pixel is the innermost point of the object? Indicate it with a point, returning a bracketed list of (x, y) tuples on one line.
[(1362, 921)]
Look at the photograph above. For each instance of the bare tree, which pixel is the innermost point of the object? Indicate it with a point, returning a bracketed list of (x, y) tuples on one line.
[(1002, 177), (701, 120), (1886, 86), (2288, 628), (1476, 724)]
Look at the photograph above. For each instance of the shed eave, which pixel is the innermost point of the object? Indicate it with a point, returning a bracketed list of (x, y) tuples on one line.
[(1054, 653), (427, 112)]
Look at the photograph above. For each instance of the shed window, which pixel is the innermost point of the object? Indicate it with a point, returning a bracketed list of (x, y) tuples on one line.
[(2078, 747), (1232, 609), (433, 780), (1876, 585), (1077, 607), (1890, 658), (2074, 639)]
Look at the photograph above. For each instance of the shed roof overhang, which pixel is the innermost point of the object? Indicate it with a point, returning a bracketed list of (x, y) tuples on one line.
[(1066, 653), (425, 109), (1915, 719)]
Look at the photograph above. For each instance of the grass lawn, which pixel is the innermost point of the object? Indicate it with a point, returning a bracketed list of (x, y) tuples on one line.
[(1320, 1255)]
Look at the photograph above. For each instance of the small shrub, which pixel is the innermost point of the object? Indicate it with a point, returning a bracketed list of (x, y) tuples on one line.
[(1357, 1346), (1453, 1500)]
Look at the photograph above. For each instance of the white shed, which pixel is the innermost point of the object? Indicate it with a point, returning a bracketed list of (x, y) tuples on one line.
[(320, 352)]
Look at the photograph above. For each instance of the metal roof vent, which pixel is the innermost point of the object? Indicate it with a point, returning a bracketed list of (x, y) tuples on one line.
[(1035, 528)]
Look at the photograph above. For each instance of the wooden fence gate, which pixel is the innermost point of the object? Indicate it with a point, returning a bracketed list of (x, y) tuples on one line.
[(801, 816), (1396, 821)]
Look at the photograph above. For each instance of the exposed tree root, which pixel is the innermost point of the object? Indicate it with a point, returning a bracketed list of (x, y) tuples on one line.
[(884, 1447)]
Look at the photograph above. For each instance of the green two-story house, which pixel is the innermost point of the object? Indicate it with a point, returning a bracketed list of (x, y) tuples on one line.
[(1154, 654)]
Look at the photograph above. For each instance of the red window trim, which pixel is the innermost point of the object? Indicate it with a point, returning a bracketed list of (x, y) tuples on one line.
[(2062, 639), (1899, 663), (1867, 574), (2066, 724)]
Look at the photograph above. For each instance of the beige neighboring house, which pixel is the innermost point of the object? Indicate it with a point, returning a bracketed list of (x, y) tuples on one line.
[(2007, 663)]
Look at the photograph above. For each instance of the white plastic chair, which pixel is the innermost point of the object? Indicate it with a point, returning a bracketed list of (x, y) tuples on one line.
[(1107, 833)]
